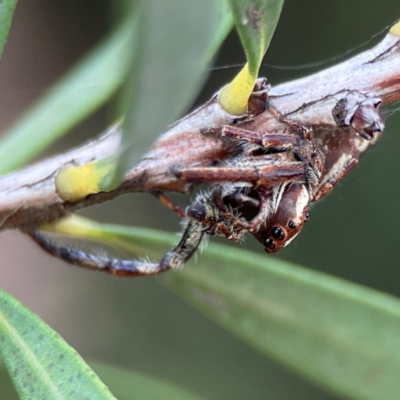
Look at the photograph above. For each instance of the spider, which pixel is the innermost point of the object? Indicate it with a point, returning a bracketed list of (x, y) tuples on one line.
[(264, 189)]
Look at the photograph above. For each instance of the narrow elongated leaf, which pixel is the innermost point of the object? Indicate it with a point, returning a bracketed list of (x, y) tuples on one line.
[(175, 41), (255, 21), (337, 334), (40, 363), (7, 8), (123, 383), (83, 90)]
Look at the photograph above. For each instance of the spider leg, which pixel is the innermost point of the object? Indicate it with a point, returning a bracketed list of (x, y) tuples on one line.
[(262, 215), (170, 204), (337, 164), (217, 197), (262, 175), (328, 185), (174, 259), (216, 219), (284, 141), (236, 200), (187, 246), (240, 199)]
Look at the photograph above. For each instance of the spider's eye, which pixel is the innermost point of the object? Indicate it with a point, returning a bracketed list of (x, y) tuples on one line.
[(277, 233), (292, 224), (269, 243), (306, 215)]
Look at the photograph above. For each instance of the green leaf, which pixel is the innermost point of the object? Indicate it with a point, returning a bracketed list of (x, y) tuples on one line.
[(7, 8), (123, 383), (78, 94), (337, 334), (255, 21), (7, 390), (41, 364), (175, 41)]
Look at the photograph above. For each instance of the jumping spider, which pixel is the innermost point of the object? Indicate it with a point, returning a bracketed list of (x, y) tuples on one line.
[(264, 189)]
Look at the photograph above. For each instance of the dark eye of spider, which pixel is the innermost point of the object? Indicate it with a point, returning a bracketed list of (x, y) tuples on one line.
[(292, 224), (269, 243), (277, 233)]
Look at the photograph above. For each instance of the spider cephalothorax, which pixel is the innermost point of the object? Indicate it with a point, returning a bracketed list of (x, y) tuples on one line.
[(287, 220)]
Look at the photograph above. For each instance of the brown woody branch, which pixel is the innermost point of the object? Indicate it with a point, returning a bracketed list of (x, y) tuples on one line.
[(28, 198)]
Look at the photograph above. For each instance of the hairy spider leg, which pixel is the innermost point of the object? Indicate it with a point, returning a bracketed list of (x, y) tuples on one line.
[(215, 219), (283, 141), (190, 241), (259, 175), (263, 214), (243, 200), (237, 197), (174, 259)]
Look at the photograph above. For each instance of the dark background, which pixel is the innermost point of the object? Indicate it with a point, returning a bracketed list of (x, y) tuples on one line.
[(138, 324)]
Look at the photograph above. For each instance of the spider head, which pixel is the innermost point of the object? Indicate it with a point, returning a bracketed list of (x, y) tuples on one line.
[(288, 220)]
